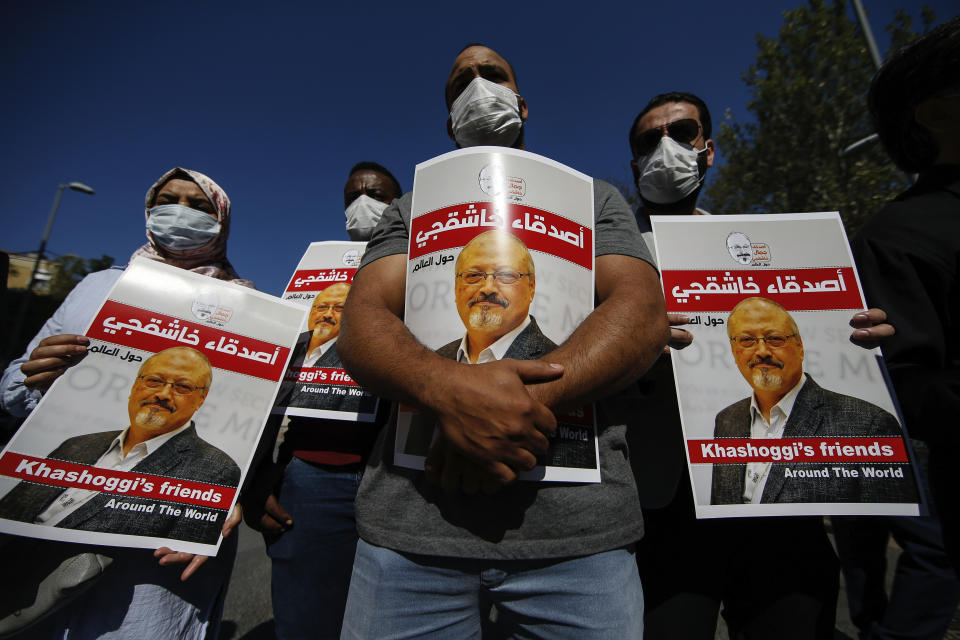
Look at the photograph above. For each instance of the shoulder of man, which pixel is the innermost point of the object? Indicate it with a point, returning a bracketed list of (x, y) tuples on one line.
[(450, 349), (616, 229), (210, 462), (729, 421), (608, 200), (83, 446), (919, 211), (859, 411), (330, 359), (391, 236)]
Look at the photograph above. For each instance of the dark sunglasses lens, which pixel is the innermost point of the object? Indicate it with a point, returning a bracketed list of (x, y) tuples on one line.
[(684, 131), (648, 141)]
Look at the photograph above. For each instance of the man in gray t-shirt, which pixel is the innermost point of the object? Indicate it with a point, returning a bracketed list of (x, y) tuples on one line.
[(438, 547)]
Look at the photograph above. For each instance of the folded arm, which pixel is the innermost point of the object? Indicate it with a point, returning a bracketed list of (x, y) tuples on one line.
[(617, 342), (484, 411)]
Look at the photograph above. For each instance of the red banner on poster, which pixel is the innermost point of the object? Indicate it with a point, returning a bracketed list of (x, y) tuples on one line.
[(319, 375), (138, 328), (453, 227), (743, 450), (121, 483), (319, 279), (815, 289)]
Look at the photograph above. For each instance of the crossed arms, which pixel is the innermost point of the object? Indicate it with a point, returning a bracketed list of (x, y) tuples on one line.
[(495, 417)]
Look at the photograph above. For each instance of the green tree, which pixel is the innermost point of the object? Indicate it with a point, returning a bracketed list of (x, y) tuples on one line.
[(808, 99), (626, 186), (71, 269)]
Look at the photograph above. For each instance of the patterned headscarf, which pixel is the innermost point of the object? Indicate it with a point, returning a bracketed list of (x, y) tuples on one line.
[(211, 258)]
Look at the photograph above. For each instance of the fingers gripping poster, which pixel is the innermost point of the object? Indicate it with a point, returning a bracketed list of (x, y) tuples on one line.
[(146, 440), (317, 384), (782, 413), (500, 265)]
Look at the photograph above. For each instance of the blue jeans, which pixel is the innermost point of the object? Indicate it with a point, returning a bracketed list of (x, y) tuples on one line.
[(395, 596), (313, 560), (925, 590)]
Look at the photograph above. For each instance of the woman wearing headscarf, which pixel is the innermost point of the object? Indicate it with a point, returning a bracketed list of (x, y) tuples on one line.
[(133, 595), (188, 222), (182, 238)]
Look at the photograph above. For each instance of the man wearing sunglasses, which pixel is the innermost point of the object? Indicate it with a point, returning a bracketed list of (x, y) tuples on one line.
[(685, 579), (672, 150), (787, 403), (160, 440)]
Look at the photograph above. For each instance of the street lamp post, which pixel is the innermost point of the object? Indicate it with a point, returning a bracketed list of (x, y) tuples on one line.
[(74, 186)]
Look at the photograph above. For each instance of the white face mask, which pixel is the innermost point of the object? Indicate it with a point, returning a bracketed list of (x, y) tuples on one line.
[(670, 173), (363, 214), (486, 113), (174, 226)]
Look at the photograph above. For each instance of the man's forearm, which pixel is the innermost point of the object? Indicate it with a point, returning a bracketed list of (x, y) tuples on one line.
[(377, 348), (616, 343), (485, 410)]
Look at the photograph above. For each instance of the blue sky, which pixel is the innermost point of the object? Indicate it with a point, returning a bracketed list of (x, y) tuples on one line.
[(276, 102)]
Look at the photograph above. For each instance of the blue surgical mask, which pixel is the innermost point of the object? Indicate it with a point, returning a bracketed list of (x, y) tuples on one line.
[(176, 227)]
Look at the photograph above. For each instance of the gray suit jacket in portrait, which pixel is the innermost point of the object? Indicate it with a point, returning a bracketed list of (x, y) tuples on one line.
[(817, 413), (529, 344), (301, 399), (186, 456)]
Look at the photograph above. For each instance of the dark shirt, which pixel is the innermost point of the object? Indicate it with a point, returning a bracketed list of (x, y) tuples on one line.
[(907, 257)]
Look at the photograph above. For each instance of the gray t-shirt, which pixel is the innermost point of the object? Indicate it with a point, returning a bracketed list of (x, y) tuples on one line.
[(396, 508)]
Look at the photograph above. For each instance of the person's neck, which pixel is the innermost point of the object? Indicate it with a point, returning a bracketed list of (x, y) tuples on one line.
[(767, 400), (315, 341), (949, 150), (685, 207), (516, 145), (476, 345), (520, 143), (132, 439)]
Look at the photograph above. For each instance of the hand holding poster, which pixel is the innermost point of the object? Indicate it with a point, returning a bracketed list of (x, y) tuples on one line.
[(500, 265), (319, 387), (135, 445), (782, 414)]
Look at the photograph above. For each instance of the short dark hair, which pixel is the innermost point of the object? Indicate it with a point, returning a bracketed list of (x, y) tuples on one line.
[(513, 71), (666, 98), (379, 168), (919, 70)]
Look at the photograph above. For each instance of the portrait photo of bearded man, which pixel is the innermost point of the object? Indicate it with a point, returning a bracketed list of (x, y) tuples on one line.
[(161, 440), (319, 344), (495, 281), (494, 285), (323, 324), (786, 403)]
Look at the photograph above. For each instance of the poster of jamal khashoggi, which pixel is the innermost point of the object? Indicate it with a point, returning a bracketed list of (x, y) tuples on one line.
[(500, 265), (317, 385), (781, 413), (145, 442)]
